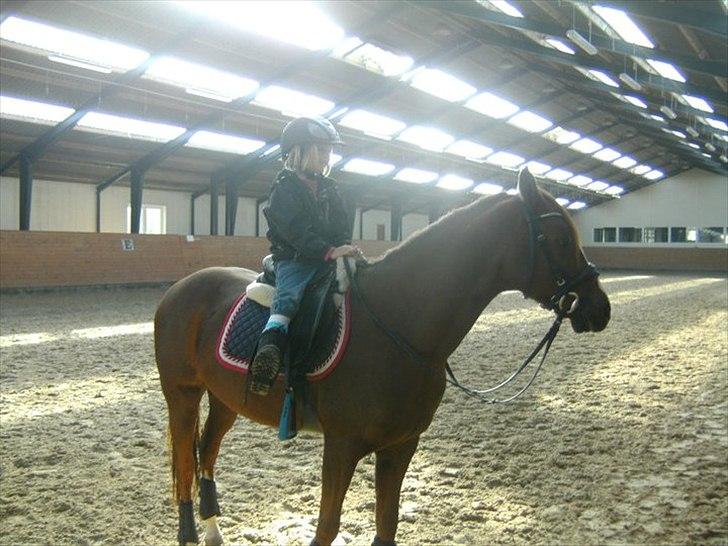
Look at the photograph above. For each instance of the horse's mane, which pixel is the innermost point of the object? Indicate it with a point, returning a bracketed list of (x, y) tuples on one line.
[(460, 216)]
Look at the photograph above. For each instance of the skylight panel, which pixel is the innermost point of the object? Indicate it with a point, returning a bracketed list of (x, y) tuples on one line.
[(427, 138), (298, 23), (442, 85), (506, 8), (469, 150), (561, 46), (367, 166), (624, 162), (697, 102), (586, 146), (201, 80), (603, 77), (576, 205), (667, 70), (224, 143), (492, 105), (36, 112), (579, 180), (654, 175), (292, 103), (653, 116), (512, 191), (346, 46), (678, 134), (381, 61), (416, 176), (487, 188), (129, 127), (597, 185), (614, 190), (372, 124), (640, 169), (559, 135), (72, 47), (528, 121), (562, 201), (607, 154), (454, 182), (537, 168), (692, 145), (635, 100), (559, 175), (624, 26), (717, 124), (505, 159)]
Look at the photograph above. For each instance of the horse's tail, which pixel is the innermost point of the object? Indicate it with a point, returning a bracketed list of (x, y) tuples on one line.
[(195, 458)]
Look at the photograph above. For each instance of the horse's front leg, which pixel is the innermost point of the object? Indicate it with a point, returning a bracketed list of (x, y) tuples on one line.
[(391, 466), (340, 459)]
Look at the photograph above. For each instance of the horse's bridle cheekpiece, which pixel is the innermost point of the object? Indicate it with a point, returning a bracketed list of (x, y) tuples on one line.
[(557, 303)]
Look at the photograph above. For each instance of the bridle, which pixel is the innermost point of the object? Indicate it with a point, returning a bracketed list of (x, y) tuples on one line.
[(557, 303)]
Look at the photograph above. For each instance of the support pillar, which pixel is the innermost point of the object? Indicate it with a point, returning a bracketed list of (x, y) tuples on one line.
[(258, 203), (396, 222), (192, 214), (214, 193), (137, 184), (231, 206), (26, 191), (98, 210)]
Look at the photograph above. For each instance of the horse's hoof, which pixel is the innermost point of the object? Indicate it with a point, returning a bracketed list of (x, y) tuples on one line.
[(213, 537)]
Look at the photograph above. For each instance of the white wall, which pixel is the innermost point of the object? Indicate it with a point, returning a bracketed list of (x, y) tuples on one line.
[(695, 198)]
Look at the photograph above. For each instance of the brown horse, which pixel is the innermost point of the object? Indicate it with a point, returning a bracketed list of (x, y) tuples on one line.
[(430, 290)]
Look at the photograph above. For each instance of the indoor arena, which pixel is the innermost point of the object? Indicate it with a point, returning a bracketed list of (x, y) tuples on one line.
[(512, 220)]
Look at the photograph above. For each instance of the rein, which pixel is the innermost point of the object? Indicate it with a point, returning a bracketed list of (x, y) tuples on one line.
[(556, 303)]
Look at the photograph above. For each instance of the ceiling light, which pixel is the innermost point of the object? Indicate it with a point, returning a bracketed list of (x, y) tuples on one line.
[(506, 8), (624, 26), (367, 167), (625, 162), (709, 147), (724, 158), (579, 180), (697, 102), (129, 127), (492, 105), (416, 176), (582, 42), (559, 135), (72, 47), (528, 121), (346, 46), (454, 182), (538, 168), (678, 134), (614, 190), (692, 132), (576, 205), (640, 169), (629, 81), (562, 201), (512, 191), (372, 124), (442, 85), (559, 175), (717, 124), (38, 112), (636, 101), (656, 118), (561, 46), (598, 185), (469, 150), (669, 112), (301, 24), (602, 77), (198, 79), (666, 70), (692, 145), (79, 64), (292, 103), (486, 188), (586, 146), (607, 154), (381, 61), (427, 138), (505, 159), (221, 142), (654, 175)]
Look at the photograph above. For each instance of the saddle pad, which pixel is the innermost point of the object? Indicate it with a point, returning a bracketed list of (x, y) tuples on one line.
[(245, 321)]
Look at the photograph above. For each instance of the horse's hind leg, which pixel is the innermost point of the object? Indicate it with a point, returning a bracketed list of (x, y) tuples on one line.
[(219, 420), (184, 411)]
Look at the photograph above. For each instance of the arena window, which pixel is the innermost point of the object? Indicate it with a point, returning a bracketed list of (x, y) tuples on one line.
[(610, 235), (711, 235), (153, 220), (630, 235), (655, 235), (598, 235)]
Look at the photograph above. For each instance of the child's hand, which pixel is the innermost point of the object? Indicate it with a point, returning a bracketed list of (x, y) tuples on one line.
[(346, 250)]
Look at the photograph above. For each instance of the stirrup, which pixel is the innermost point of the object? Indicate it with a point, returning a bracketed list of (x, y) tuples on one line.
[(267, 361)]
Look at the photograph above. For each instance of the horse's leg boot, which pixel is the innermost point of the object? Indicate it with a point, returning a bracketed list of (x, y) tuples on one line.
[(267, 362)]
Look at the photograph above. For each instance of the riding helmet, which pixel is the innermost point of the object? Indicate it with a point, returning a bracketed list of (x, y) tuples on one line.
[(308, 130)]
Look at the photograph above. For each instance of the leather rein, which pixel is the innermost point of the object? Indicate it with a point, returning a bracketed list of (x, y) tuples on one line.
[(556, 303)]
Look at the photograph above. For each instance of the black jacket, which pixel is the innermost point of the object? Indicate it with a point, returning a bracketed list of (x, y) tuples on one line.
[(303, 226)]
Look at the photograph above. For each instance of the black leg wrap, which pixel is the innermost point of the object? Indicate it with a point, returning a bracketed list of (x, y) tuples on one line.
[(187, 530), (208, 499), (379, 542)]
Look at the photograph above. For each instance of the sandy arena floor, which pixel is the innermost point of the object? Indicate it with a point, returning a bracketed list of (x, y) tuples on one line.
[(623, 438)]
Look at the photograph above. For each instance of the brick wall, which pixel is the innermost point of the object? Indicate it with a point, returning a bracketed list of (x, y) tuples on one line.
[(659, 259), (45, 259)]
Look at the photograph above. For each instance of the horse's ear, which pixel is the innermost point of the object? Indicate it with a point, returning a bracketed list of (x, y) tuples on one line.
[(527, 186)]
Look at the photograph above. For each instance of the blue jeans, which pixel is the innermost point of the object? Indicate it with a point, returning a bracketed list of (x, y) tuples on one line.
[(292, 278)]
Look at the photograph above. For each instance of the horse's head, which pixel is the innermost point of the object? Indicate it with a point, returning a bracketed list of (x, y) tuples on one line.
[(558, 276)]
